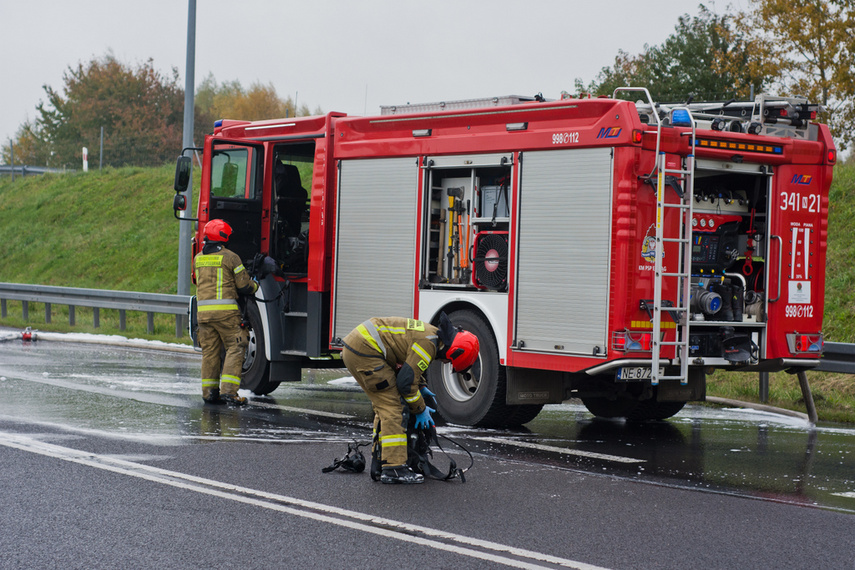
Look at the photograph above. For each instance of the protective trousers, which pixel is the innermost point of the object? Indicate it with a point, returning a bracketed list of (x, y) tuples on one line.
[(219, 372), (377, 379)]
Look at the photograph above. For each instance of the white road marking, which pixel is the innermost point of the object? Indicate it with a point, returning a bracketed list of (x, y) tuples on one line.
[(257, 404), (564, 450), (405, 532)]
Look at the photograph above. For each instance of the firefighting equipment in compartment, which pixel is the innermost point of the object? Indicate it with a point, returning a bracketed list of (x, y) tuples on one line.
[(218, 230), (458, 238), (490, 264)]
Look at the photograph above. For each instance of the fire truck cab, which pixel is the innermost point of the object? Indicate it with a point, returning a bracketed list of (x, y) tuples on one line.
[(604, 249)]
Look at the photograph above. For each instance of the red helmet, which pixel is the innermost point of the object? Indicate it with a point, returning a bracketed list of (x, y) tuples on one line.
[(217, 230), (463, 351)]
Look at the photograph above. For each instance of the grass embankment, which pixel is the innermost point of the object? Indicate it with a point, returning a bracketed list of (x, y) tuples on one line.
[(104, 230), (115, 230)]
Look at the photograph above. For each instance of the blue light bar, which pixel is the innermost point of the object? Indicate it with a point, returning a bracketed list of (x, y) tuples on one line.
[(680, 118)]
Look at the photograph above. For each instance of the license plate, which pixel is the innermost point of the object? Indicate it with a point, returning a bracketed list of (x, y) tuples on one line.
[(634, 373)]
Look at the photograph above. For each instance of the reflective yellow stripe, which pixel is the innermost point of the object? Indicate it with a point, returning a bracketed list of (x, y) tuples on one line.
[(413, 399), (393, 440), (421, 352), (219, 283), (425, 361), (205, 308), (230, 379), (238, 269), (218, 302), (210, 382), (392, 330), (369, 338), (209, 260)]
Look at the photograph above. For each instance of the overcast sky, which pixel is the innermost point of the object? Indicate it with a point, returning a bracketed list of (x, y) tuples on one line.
[(350, 56)]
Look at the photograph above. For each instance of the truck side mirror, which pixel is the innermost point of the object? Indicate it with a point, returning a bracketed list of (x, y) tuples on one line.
[(182, 174), (179, 203)]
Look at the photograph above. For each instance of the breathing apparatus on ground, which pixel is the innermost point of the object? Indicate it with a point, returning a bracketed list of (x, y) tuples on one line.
[(419, 454), (353, 460)]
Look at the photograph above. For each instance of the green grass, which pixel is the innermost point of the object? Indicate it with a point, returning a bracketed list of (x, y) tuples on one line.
[(115, 230)]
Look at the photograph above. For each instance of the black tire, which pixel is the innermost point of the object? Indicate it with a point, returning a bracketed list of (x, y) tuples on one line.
[(605, 408), (478, 397), (653, 410), (523, 414), (256, 367)]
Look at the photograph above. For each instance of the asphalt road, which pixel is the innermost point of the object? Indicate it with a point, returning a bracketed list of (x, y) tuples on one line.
[(108, 459)]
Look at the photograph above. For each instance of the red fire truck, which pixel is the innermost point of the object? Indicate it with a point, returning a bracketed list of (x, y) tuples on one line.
[(603, 249)]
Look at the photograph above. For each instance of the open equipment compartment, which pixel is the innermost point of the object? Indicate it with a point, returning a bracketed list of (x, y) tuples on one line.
[(467, 222)]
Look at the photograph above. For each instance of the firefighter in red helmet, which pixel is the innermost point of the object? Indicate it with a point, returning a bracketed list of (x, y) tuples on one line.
[(220, 277), (388, 357)]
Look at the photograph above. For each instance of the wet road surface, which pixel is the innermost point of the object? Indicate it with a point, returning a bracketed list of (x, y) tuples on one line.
[(147, 402)]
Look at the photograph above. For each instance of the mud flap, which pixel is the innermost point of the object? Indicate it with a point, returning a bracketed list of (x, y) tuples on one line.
[(694, 390)]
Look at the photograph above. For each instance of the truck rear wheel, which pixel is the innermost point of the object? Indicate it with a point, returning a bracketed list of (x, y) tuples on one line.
[(653, 410), (477, 398), (604, 407), (256, 367)]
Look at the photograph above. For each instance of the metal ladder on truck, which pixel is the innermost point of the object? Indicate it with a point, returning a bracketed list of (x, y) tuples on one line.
[(681, 181)]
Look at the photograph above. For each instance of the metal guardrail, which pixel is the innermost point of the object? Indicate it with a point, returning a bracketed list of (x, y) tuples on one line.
[(24, 170), (837, 357), (149, 303)]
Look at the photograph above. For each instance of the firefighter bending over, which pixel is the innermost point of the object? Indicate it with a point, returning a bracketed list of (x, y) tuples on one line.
[(220, 277), (388, 357)]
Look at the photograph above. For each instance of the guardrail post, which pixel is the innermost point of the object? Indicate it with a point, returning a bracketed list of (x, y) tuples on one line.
[(47, 313), (96, 317), (25, 310), (808, 397), (179, 326), (150, 323), (121, 319), (3, 308), (71, 315), (764, 387)]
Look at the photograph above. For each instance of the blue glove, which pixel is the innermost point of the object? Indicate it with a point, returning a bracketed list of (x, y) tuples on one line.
[(423, 420), (425, 392)]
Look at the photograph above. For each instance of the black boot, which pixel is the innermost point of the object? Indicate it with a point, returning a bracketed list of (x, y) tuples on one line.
[(401, 474), (233, 399), (213, 397)]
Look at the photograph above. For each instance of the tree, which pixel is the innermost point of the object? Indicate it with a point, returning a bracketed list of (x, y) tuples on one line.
[(140, 110), (687, 64), (30, 148), (811, 45), (230, 100)]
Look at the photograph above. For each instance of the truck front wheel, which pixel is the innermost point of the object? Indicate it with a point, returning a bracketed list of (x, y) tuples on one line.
[(256, 367)]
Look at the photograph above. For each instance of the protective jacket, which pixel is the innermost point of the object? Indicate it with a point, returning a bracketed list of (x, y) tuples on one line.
[(220, 277), (402, 343), (388, 357)]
